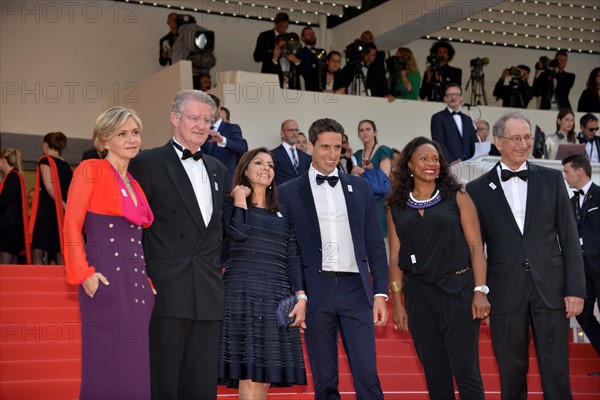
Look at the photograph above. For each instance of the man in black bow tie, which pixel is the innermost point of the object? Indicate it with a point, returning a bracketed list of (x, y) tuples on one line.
[(453, 130), (345, 265), (185, 191), (586, 204), (535, 267)]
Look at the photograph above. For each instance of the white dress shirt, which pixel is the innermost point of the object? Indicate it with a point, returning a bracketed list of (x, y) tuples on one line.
[(592, 151), (215, 128), (515, 191), (287, 148), (334, 225), (457, 118), (198, 176)]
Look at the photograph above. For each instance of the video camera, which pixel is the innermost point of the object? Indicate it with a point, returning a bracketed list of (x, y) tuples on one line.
[(396, 64), (291, 43), (355, 50), (515, 72), (479, 62), (194, 43), (546, 63), (434, 61)]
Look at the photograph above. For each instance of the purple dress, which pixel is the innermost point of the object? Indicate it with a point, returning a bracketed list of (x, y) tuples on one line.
[(115, 349)]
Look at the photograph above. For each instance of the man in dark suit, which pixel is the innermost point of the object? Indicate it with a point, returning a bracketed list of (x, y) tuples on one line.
[(289, 161), (586, 204), (589, 127), (286, 66), (225, 143), (375, 83), (535, 268), (439, 74), (310, 67), (263, 52), (554, 83), (182, 247), (453, 130), (345, 265)]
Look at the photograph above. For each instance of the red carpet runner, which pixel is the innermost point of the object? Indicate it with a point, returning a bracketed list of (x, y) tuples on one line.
[(40, 349)]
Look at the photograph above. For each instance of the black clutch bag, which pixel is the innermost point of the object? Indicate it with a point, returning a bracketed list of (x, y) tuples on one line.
[(284, 308)]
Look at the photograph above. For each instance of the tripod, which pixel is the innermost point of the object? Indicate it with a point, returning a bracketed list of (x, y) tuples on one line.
[(477, 82), (358, 79), (516, 99)]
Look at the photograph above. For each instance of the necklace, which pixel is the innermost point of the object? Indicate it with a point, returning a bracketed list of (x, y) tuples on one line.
[(420, 204)]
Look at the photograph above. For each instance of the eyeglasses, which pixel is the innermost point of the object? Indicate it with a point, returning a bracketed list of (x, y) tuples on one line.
[(517, 139), (453, 95), (592, 129), (482, 129), (198, 120), (291, 130)]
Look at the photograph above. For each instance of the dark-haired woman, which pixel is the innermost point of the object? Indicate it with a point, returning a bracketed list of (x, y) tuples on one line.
[(589, 101), (565, 134), (436, 258), (52, 180), (264, 267), (332, 79), (13, 207), (373, 156)]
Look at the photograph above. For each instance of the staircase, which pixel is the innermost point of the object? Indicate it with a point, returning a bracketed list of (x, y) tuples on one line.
[(40, 351)]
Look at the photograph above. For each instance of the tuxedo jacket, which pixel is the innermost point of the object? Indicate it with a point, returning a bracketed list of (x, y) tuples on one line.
[(269, 67), (296, 197), (284, 170), (231, 153), (445, 132), (549, 242), (263, 52), (182, 254), (449, 75), (589, 227), (310, 69)]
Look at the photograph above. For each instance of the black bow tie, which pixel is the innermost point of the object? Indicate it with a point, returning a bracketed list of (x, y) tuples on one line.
[(186, 153), (506, 174), (332, 180), (456, 113), (579, 192)]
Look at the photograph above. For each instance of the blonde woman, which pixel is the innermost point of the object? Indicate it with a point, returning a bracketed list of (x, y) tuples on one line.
[(13, 207)]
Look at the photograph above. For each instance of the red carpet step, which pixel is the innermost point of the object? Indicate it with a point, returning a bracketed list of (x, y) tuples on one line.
[(40, 349)]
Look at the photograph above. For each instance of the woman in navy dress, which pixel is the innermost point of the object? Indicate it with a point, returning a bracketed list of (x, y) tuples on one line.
[(115, 295), (264, 267)]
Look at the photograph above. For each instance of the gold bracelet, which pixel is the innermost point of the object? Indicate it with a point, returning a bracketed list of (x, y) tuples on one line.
[(395, 287)]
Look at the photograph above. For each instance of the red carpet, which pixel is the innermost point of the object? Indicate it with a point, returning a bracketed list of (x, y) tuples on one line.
[(40, 349)]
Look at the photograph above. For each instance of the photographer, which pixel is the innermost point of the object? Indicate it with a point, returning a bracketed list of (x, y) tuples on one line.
[(166, 42), (365, 75), (405, 79), (439, 74), (552, 82), (263, 52), (517, 93), (284, 62), (311, 60)]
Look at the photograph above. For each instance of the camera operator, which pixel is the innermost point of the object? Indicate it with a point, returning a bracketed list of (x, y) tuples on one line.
[(284, 62), (405, 79), (365, 75), (311, 60), (166, 42), (263, 52), (552, 82), (439, 74), (517, 93)]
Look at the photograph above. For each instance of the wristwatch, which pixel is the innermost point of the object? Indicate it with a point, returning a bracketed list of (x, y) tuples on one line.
[(302, 297), (483, 289)]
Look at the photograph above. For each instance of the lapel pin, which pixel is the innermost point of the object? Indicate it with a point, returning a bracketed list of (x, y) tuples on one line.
[(279, 214), (350, 188), (216, 186), (492, 185)]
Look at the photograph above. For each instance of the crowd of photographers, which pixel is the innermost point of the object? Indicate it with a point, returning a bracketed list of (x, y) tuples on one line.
[(301, 65)]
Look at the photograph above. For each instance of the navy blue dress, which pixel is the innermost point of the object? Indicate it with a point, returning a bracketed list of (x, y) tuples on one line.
[(264, 266)]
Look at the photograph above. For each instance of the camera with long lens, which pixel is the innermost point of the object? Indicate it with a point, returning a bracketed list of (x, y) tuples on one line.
[(354, 51), (479, 62), (396, 64), (291, 43), (435, 61)]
